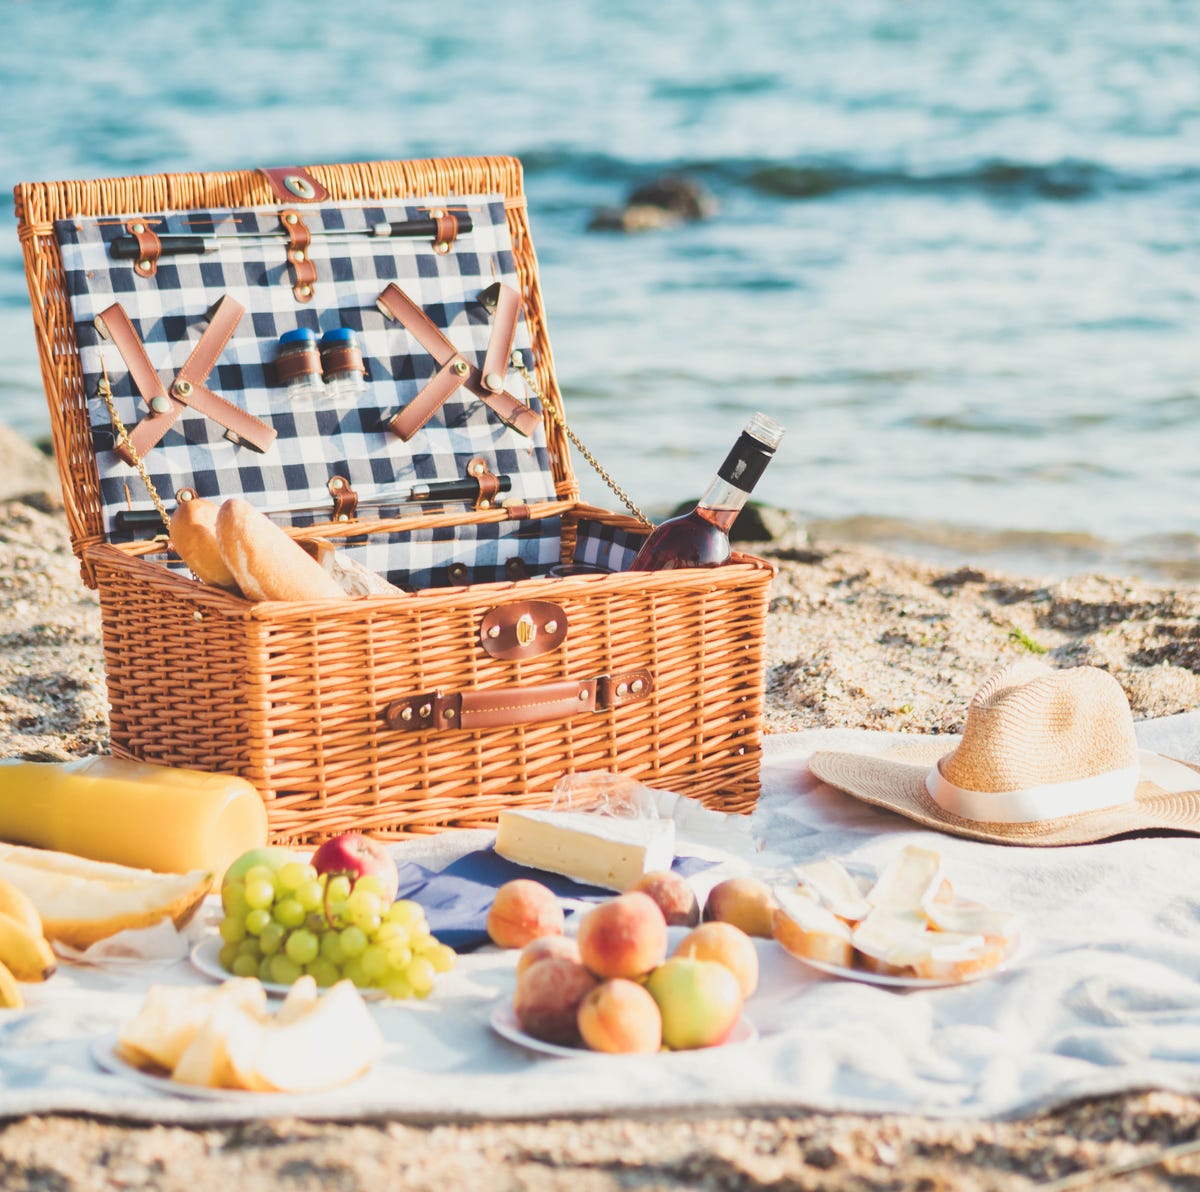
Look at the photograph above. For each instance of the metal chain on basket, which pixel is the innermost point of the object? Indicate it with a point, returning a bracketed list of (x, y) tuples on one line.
[(105, 391), (518, 362)]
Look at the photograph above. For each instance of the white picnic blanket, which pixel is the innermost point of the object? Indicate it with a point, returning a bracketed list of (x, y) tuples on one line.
[(1103, 996)]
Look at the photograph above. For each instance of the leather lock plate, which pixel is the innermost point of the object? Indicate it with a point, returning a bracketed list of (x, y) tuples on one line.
[(523, 629)]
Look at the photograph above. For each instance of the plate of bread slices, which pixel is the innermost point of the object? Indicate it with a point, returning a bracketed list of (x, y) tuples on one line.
[(905, 928)]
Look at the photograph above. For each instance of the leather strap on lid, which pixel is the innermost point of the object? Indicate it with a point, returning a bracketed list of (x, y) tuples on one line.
[(188, 388), (149, 247), (345, 499), (500, 344), (454, 372), (488, 481), (294, 184), (447, 230), (304, 272)]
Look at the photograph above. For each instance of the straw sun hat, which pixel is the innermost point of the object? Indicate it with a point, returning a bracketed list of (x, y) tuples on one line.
[(1046, 757)]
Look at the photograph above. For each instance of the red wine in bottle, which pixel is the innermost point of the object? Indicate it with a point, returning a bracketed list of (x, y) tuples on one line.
[(701, 538)]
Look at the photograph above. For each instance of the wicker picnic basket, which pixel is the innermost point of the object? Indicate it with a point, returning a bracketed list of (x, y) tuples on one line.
[(393, 714)]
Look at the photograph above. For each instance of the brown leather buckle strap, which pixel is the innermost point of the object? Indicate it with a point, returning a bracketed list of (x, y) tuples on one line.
[(304, 272), (503, 707), (188, 388), (446, 229), (454, 372), (149, 247)]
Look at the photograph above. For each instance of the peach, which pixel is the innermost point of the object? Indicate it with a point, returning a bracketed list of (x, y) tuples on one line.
[(523, 911), (620, 1016), (675, 898), (743, 901), (547, 997), (548, 947), (623, 937), (700, 1002), (727, 945)]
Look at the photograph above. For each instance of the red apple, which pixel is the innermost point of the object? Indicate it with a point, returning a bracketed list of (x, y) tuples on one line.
[(357, 855)]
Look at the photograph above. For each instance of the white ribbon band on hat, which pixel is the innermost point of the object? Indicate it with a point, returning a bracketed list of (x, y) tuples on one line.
[(1033, 804)]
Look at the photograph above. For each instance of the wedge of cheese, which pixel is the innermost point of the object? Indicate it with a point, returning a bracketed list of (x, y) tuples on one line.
[(599, 850)]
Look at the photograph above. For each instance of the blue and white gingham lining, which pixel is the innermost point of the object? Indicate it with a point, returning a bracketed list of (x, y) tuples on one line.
[(316, 440), (600, 545)]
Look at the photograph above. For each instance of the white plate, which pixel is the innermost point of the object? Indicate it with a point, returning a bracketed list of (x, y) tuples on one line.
[(107, 1058), (206, 956), (504, 1023), (869, 978)]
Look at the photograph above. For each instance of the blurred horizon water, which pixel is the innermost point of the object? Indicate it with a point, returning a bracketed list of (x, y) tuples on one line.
[(953, 249)]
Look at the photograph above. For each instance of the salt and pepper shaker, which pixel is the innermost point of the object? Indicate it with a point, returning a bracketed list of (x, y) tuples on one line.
[(298, 365)]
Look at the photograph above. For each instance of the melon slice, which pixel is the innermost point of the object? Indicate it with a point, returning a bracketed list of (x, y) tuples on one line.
[(172, 1016), (330, 1042), (83, 901)]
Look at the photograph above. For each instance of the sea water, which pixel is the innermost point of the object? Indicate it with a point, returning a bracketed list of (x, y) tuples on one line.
[(954, 247)]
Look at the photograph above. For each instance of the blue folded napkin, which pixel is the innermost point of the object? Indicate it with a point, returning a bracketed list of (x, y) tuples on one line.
[(457, 899)]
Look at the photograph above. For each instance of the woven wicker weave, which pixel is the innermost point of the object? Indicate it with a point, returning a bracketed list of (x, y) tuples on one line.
[(293, 696)]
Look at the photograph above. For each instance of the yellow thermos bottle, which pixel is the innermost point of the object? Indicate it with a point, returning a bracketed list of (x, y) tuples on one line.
[(131, 813)]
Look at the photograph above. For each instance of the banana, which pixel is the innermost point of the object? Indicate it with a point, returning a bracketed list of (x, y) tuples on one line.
[(16, 904), (24, 952), (10, 991)]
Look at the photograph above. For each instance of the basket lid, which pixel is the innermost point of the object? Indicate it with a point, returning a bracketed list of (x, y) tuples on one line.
[(185, 290)]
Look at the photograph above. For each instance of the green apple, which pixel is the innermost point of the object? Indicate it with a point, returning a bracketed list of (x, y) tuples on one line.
[(700, 1002), (273, 856)]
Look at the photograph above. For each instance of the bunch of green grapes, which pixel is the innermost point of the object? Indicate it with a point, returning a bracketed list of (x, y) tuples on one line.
[(280, 923)]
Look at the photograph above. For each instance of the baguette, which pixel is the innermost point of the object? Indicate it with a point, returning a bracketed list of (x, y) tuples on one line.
[(265, 562), (811, 931), (194, 537)]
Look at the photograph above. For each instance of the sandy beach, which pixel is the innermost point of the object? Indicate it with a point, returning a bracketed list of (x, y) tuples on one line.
[(857, 637)]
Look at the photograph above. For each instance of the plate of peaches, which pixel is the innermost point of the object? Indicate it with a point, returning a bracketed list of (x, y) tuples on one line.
[(905, 928), (624, 983)]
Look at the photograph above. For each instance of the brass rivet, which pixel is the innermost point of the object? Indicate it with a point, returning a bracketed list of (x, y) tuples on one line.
[(461, 367), (518, 361), (298, 255), (137, 228), (291, 217), (449, 713), (145, 266), (494, 381), (637, 687), (583, 695), (425, 710), (441, 246), (183, 388), (478, 468), (622, 688), (485, 504), (494, 631), (197, 615), (336, 483), (304, 291), (160, 404), (343, 517), (551, 626), (406, 714), (436, 213)]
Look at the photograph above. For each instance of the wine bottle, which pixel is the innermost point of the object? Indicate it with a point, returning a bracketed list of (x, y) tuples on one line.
[(701, 538)]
